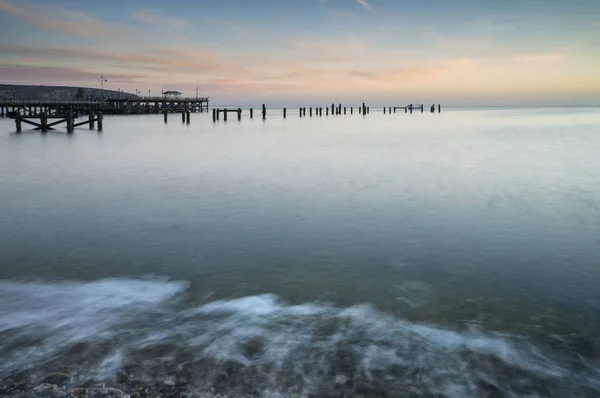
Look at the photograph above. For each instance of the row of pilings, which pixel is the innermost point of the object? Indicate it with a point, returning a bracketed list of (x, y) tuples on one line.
[(317, 111), (223, 113)]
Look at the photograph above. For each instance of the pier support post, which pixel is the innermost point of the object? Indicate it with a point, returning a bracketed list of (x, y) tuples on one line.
[(264, 112), (44, 122), (239, 112), (218, 113), (439, 108), (251, 113), (70, 123), (224, 115), (390, 109), (352, 110), (327, 111), (165, 113), (421, 108), (344, 110), (214, 115), (187, 116), (183, 117), (100, 117), (284, 113), (18, 124), (332, 109), (384, 110), (300, 112)]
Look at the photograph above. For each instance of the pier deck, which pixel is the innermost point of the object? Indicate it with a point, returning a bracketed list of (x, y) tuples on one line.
[(135, 106)]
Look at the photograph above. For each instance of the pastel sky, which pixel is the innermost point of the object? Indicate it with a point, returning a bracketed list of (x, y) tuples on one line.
[(457, 52)]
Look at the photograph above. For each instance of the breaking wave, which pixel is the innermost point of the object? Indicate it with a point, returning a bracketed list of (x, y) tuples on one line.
[(132, 331)]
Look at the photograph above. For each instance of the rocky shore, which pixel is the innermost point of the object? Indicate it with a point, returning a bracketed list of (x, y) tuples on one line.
[(62, 385)]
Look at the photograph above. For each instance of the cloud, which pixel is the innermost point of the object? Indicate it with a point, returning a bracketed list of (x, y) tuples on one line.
[(150, 17), (52, 74), (365, 4), (547, 57), (66, 22)]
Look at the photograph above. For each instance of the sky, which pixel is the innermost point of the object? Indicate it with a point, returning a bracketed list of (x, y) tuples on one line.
[(454, 52)]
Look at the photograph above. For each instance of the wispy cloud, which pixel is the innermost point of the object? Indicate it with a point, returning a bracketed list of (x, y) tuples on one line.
[(365, 4), (150, 17), (66, 22)]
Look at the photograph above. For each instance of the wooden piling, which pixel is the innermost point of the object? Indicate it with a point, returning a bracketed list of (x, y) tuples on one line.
[(214, 115), (18, 124), (239, 113), (187, 116), (390, 109), (284, 113), (224, 115), (352, 110), (439, 108), (182, 116), (218, 113), (264, 112), (165, 116), (300, 112), (327, 111), (332, 109), (44, 122), (310, 111), (384, 110), (100, 117), (70, 123), (320, 111), (251, 113), (421, 108)]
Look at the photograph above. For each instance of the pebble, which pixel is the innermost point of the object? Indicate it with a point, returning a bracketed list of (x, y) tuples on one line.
[(22, 386), (169, 383), (60, 379), (113, 392), (44, 390), (60, 394)]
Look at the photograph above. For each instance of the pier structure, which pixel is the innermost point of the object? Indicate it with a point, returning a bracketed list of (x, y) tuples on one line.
[(130, 106)]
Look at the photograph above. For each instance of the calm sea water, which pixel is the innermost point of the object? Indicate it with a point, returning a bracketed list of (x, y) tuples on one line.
[(453, 254)]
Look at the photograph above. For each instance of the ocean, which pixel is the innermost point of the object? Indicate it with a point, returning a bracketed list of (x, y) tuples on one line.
[(454, 254)]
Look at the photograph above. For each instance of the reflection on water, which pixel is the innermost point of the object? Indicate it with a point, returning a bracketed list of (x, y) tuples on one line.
[(467, 240)]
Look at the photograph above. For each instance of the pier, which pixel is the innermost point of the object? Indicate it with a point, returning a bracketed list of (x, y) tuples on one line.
[(135, 106), (38, 113), (69, 119)]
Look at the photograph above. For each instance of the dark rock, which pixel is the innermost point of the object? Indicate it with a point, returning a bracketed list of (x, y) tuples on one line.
[(79, 391), (21, 386), (134, 395), (489, 389), (60, 379), (222, 378)]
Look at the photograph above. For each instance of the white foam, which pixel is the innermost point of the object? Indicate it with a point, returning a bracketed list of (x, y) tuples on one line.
[(251, 331)]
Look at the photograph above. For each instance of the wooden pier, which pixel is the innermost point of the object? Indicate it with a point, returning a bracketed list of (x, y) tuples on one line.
[(44, 125), (135, 106), (38, 114)]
